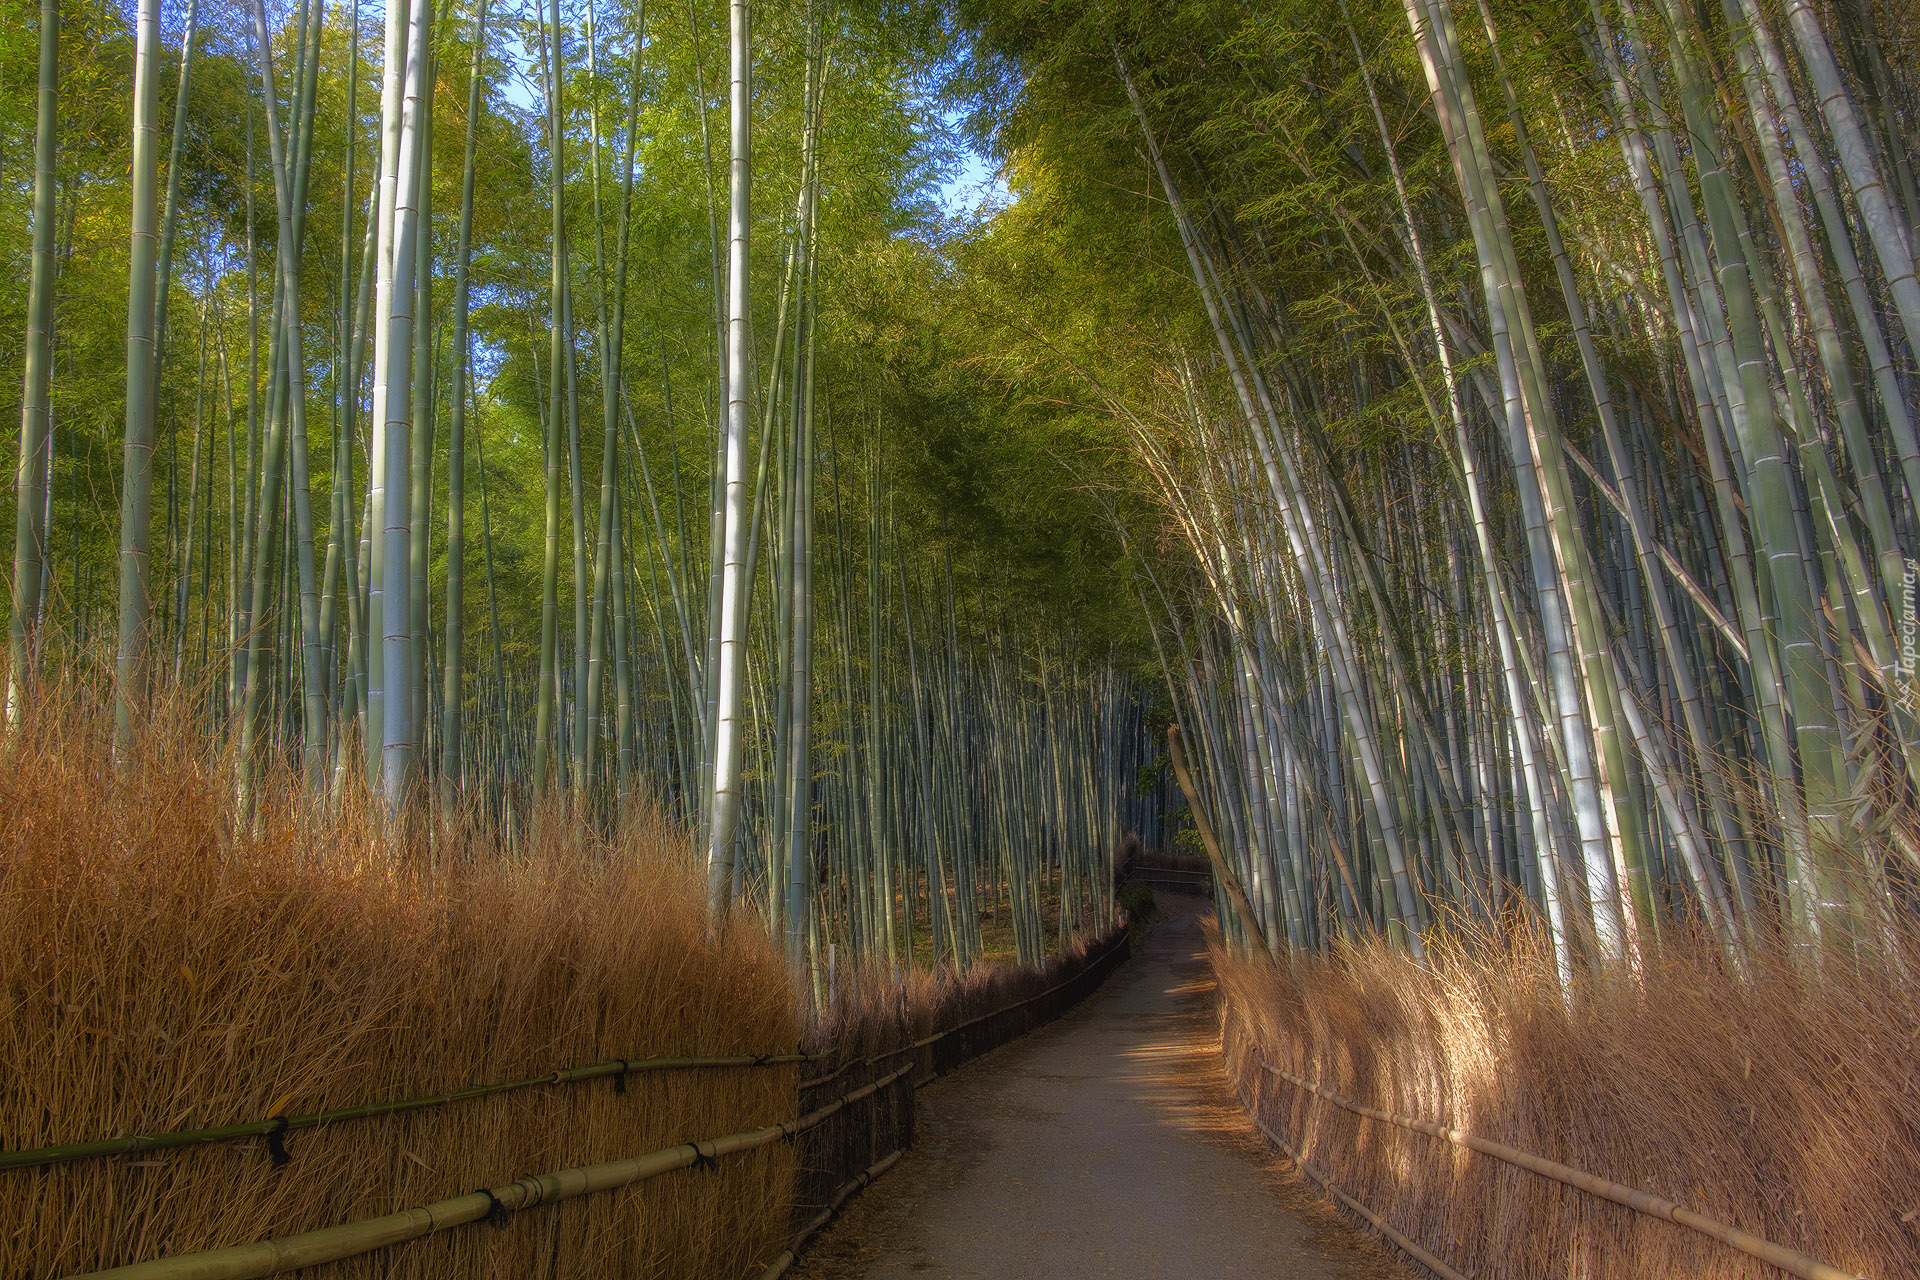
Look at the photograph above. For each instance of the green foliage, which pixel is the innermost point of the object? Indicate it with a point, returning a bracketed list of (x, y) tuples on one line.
[(1142, 908)]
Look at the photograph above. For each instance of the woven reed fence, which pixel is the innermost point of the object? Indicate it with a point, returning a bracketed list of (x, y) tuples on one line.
[(1485, 1145), (854, 1120)]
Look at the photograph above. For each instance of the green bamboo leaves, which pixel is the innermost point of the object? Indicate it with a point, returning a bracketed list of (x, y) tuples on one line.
[(1431, 463)]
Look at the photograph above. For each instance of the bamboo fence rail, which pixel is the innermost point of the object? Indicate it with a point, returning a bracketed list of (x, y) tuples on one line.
[(1119, 948), (1792, 1261), (860, 1181), (331, 1244), (274, 1127), (1405, 1243), (351, 1239)]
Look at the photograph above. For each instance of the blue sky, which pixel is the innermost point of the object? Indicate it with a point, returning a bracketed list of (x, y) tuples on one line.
[(974, 185)]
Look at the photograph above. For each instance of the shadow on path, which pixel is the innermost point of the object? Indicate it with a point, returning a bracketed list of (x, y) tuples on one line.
[(1105, 1144)]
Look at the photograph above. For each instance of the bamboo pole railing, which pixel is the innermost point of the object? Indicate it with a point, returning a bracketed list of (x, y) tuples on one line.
[(1118, 949), (865, 1178), (1097, 965), (1792, 1261), (345, 1240), (350, 1239), (1114, 949), (1406, 1243), (275, 1127)]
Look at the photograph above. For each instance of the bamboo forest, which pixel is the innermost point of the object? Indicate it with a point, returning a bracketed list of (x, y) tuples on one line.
[(611, 592)]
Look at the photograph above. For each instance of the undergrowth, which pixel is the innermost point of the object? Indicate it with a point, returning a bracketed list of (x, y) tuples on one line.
[(1782, 1102), (162, 969)]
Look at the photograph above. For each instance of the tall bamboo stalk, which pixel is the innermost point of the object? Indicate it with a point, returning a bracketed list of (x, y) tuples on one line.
[(31, 488), (136, 476), (728, 674), (453, 693)]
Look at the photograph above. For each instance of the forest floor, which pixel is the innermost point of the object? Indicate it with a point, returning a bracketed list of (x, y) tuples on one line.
[(1105, 1144)]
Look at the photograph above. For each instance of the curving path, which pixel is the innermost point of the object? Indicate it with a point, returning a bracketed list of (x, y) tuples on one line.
[(1105, 1144)]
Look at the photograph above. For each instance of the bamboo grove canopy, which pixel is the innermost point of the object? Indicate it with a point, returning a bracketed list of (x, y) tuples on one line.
[(488, 403), (1536, 453), (1514, 506)]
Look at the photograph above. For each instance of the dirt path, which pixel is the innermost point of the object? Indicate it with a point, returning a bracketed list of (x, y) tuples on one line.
[(1106, 1144)]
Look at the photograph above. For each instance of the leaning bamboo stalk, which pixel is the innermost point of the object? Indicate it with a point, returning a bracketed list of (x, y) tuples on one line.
[(1885, 227), (1587, 739), (1685, 580), (1236, 893), (1303, 538)]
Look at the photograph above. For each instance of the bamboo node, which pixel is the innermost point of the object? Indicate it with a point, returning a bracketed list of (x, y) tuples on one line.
[(497, 1211)]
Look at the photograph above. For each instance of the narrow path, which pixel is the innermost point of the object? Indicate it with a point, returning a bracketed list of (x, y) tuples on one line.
[(1106, 1144)]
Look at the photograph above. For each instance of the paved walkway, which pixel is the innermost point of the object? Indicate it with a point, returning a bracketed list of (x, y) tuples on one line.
[(1105, 1144)]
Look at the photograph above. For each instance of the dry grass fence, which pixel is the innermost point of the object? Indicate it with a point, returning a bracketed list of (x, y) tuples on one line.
[(162, 970), (1785, 1103)]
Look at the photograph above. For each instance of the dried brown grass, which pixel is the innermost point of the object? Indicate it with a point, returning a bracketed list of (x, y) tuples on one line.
[(161, 970), (875, 1010), (1783, 1102)]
